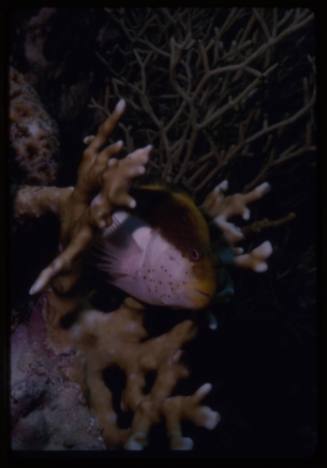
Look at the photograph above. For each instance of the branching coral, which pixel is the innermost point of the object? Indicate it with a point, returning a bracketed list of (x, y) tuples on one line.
[(82, 213), (216, 64), (119, 338), (220, 208), (102, 184), (209, 118)]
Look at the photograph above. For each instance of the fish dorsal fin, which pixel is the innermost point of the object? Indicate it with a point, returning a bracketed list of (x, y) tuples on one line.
[(120, 216), (142, 236)]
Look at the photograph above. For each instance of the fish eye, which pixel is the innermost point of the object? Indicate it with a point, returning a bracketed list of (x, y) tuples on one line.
[(195, 255)]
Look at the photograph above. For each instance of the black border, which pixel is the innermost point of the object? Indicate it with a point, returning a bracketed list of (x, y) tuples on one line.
[(11, 458)]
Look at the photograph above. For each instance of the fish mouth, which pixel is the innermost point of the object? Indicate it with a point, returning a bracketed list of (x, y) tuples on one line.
[(202, 299), (204, 293)]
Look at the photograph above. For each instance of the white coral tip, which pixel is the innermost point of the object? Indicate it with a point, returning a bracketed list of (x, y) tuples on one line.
[(246, 214), (263, 188), (87, 140), (238, 250), (185, 443), (221, 187), (268, 248), (264, 250), (261, 267), (112, 162), (210, 418), (204, 390), (134, 444), (213, 323), (132, 203), (120, 107), (37, 286)]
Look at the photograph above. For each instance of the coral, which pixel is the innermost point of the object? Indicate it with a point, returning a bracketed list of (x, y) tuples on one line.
[(33, 133), (119, 339), (102, 184), (218, 65), (221, 208), (35, 201), (48, 388), (197, 87), (48, 409)]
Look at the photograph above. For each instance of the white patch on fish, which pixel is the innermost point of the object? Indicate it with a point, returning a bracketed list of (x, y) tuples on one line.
[(139, 260)]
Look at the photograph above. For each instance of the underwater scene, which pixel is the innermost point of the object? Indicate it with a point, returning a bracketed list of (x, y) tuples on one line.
[(162, 175)]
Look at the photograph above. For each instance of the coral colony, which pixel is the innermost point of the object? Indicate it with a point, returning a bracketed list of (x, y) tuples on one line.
[(151, 240), (106, 339)]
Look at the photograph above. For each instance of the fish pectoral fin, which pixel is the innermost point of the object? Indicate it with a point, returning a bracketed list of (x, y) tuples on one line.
[(142, 236)]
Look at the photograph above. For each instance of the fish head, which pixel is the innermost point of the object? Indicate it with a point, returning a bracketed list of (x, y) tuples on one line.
[(178, 268), (174, 280)]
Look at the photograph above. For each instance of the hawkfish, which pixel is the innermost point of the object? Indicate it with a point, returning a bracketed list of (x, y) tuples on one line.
[(160, 252)]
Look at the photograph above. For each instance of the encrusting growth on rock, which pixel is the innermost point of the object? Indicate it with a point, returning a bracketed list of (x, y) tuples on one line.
[(119, 338), (35, 201), (33, 133)]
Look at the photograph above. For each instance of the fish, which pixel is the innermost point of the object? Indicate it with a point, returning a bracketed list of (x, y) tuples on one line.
[(160, 252)]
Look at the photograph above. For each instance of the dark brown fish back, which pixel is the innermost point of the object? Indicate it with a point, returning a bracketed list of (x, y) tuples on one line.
[(176, 216)]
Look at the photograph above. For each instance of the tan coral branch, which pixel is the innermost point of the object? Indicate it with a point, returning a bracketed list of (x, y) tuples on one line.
[(255, 260), (118, 339), (258, 226), (221, 208), (102, 184)]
